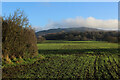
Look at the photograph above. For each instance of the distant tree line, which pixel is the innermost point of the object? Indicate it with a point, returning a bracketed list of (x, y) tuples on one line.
[(40, 39), (18, 38), (109, 36)]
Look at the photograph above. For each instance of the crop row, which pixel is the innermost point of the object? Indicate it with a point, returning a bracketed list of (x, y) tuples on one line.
[(69, 66)]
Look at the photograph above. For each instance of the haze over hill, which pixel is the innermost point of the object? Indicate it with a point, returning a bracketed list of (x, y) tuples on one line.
[(80, 29), (78, 22)]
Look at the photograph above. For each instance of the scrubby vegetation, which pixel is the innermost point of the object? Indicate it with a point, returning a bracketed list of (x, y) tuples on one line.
[(18, 38)]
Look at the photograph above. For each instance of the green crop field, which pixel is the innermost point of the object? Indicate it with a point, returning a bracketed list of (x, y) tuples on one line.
[(54, 45), (71, 59)]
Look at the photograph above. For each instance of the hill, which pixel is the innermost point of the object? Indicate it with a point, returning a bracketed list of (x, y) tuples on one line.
[(80, 29)]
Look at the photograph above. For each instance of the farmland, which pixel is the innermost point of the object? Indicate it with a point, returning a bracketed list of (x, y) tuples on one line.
[(56, 45), (71, 59)]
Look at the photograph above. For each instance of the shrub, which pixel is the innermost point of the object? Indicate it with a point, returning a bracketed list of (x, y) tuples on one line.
[(18, 38), (40, 39)]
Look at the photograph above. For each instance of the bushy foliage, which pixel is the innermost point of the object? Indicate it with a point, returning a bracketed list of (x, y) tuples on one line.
[(109, 36), (18, 38), (40, 39)]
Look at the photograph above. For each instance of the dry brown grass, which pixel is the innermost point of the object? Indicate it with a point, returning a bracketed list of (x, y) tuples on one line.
[(8, 60)]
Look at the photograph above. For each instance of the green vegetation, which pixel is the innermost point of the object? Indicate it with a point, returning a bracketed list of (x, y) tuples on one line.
[(21, 61), (53, 45), (83, 55), (71, 59), (108, 36)]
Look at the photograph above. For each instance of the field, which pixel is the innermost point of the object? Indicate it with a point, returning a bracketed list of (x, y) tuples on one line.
[(71, 59), (57, 45)]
